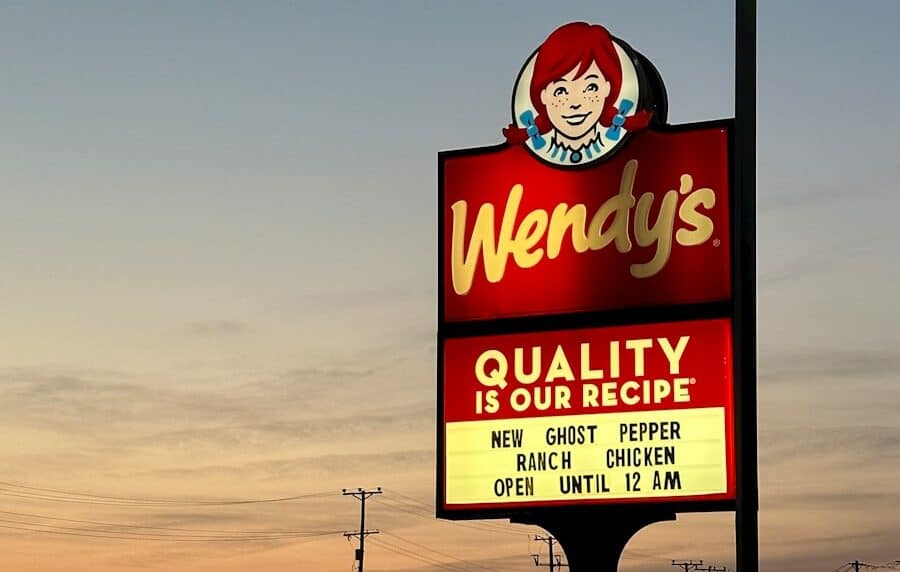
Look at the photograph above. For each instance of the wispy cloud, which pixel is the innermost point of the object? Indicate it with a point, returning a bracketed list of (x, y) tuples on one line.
[(828, 364), (216, 327)]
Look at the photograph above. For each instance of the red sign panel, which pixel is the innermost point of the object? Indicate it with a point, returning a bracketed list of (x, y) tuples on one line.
[(649, 226), (640, 413)]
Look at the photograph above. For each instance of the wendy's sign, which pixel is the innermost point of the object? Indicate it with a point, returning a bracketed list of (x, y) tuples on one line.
[(593, 213), (646, 227)]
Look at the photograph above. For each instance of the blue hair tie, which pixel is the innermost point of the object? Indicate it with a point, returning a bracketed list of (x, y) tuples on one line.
[(619, 120), (527, 118)]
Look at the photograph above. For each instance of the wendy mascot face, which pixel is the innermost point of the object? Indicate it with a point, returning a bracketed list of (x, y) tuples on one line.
[(580, 94)]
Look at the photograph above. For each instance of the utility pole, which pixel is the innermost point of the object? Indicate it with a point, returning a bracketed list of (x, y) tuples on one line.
[(746, 525), (857, 565), (688, 565), (555, 561), (362, 495)]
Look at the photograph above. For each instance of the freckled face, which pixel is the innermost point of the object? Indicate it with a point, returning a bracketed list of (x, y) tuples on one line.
[(574, 103)]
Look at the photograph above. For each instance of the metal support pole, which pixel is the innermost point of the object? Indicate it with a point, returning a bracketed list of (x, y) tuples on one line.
[(744, 283)]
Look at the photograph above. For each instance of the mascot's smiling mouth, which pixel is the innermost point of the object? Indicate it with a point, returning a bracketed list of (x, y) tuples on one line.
[(576, 119)]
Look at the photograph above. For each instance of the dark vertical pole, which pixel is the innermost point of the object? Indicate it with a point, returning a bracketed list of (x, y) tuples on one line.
[(362, 531), (746, 516), (550, 542)]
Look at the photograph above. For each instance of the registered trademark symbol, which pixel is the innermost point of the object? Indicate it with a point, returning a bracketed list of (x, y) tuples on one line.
[(717, 242), (693, 380)]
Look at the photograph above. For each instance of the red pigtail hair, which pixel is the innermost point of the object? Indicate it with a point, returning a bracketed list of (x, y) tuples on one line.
[(636, 122), (516, 135)]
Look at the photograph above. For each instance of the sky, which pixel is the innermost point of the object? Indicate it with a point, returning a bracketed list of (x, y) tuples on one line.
[(218, 274)]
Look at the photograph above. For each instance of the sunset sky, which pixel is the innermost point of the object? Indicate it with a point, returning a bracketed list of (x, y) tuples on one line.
[(218, 274)]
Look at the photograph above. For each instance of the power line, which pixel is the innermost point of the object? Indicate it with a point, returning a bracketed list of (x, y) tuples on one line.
[(410, 499), (422, 557), (430, 513), (480, 526), (412, 555), (856, 565), (415, 556), (111, 535), (422, 546), (139, 534), (166, 528), (126, 534), (90, 498), (429, 507)]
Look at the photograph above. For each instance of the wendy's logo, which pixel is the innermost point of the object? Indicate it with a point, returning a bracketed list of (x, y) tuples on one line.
[(581, 94)]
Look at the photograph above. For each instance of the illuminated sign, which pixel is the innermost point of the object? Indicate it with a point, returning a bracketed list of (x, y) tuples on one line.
[(648, 227), (585, 315), (589, 415)]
